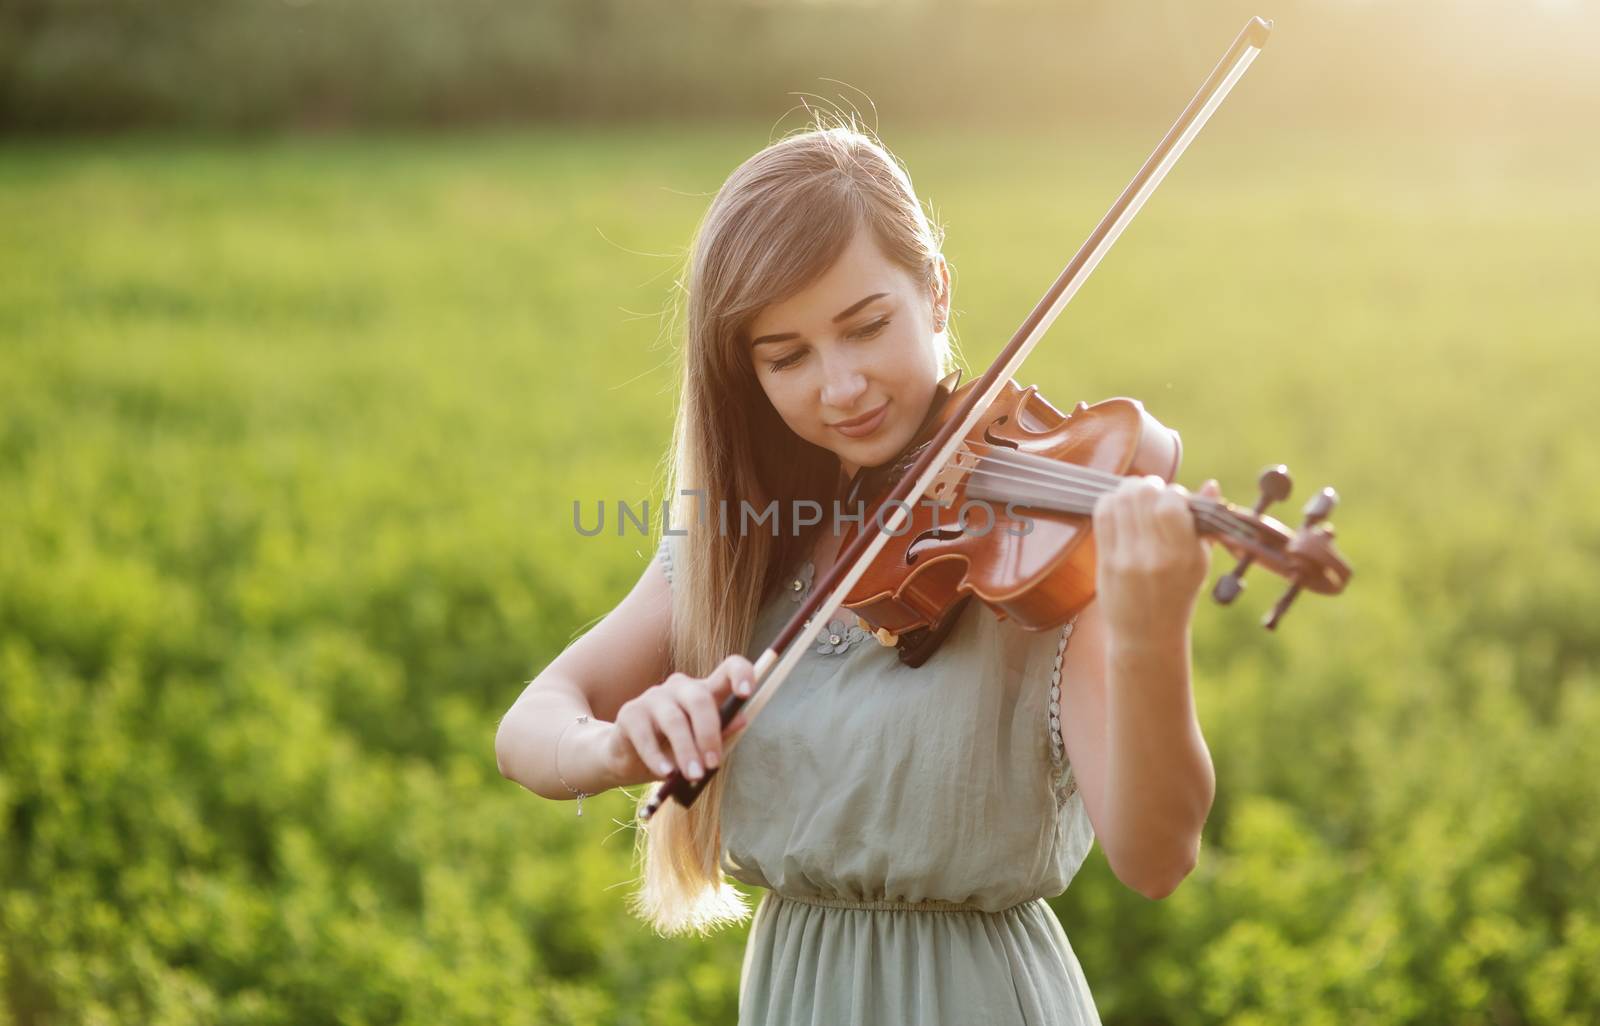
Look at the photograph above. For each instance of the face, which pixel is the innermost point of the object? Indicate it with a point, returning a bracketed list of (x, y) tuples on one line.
[(850, 362)]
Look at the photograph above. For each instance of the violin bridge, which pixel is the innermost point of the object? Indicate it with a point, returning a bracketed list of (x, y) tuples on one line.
[(943, 488)]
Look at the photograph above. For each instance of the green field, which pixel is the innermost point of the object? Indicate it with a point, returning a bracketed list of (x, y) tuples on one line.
[(290, 433)]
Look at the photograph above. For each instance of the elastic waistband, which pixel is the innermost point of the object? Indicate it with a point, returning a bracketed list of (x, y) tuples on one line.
[(896, 906)]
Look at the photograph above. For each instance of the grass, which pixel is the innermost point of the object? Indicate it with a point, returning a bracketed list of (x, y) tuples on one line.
[(315, 410)]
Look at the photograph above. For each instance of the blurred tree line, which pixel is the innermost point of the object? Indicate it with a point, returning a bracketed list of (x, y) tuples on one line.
[(258, 64)]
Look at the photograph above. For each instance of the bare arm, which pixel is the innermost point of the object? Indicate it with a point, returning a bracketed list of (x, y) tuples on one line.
[(645, 720), (1134, 741), (617, 659), (1130, 727)]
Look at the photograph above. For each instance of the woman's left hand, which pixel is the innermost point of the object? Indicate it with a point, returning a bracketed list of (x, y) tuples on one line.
[(1149, 560)]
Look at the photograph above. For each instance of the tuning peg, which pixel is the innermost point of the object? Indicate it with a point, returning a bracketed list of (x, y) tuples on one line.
[(1320, 507), (1315, 512), (1275, 485)]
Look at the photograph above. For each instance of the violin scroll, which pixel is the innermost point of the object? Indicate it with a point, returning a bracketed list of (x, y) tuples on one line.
[(1313, 547), (1306, 557), (1275, 485)]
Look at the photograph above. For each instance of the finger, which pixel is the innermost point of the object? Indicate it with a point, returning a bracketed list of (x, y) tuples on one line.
[(1211, 490), (673, 724), (1137, 526), (705, 720), (1105, 525), (739, 678), (1172, 519), (1105, 533), (641, 733)]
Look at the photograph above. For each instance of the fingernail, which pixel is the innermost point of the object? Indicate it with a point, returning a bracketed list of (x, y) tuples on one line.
[(666, 767), (711, 759), (695, 771), (744, 687)]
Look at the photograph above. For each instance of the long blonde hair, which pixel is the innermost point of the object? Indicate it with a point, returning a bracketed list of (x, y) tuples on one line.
[(779, 222)]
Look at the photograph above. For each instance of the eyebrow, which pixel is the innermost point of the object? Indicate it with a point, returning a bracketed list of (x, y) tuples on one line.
[(841, 315)]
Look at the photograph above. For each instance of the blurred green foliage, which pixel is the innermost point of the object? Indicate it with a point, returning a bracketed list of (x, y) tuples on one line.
[(289, 438), (316, 64)]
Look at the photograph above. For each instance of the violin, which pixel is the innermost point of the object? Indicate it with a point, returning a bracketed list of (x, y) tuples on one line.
[(995, 440), (1008, 520)]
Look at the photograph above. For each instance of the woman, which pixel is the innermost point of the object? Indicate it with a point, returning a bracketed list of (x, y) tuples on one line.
[(906, 824)]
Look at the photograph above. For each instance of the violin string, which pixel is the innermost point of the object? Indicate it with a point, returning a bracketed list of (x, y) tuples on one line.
[(1044, 468), (1089, 490), (1207, 511), (1056, 468), (1074, 499), (1037, 471), (1040, 470)]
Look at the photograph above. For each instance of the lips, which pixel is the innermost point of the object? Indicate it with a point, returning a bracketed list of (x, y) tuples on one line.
[(864, 424)]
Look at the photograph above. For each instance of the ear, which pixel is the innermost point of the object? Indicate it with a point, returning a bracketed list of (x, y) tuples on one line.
[(941, 289)]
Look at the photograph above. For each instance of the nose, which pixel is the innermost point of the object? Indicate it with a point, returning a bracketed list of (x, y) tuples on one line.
[(843, 385)]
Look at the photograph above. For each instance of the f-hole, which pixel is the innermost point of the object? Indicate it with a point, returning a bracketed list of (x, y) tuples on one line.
[(929, 537), (988, 432)]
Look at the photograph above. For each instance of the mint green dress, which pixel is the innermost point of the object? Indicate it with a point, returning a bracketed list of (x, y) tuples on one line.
[(906, 826)]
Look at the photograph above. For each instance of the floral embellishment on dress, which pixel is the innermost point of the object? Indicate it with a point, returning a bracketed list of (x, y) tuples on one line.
[(838, 636), (839, 633), (801, 582)]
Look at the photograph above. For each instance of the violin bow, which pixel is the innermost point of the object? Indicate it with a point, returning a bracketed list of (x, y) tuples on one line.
[(771, 670)]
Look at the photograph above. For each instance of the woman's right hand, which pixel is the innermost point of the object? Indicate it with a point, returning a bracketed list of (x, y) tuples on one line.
[(676, 725)]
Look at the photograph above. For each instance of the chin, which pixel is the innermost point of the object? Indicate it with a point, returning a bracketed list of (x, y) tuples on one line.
[(874, 455), (877, 451)]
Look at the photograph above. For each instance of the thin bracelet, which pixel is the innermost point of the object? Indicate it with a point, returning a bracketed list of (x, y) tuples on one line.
[(581, 795)]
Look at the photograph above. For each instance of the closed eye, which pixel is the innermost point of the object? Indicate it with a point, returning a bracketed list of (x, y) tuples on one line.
[(872, 329)]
